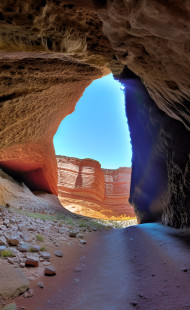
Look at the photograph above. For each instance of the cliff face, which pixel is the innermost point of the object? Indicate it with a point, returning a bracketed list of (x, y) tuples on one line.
[(50, 51), (86, 188)]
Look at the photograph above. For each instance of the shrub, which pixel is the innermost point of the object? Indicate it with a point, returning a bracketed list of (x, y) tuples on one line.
[(39, 238), (7, 253)]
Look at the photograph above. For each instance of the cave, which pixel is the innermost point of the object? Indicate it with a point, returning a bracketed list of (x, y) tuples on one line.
[(50, 52), (44, 73)]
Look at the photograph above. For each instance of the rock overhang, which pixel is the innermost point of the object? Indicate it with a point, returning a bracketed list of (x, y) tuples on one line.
[(51, 51)]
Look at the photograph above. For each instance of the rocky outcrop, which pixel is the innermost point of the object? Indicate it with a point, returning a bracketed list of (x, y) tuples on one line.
[(50, 51), (43, 91), (104, 192)]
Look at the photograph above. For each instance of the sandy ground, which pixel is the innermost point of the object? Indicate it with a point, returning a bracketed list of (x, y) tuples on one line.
[(143, 267)]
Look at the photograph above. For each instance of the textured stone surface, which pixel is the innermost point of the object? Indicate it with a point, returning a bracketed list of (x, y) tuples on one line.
[(12, 283), (42, 93), (52, 50), (160, 178), (104, 192)]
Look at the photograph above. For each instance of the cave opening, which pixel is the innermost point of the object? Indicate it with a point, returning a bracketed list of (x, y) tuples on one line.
[(98, 128), (94, 153)]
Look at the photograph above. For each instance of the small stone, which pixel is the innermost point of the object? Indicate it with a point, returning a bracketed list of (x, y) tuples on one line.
[(45, 255), (72, 234), (10, 260), (50, 271), (41, 284), (185, 270), (22, 265), (82, 241), (23, 248), (46, 263), (31, 262), (81, 236), (58, 253), (29, 293), (14, 241)]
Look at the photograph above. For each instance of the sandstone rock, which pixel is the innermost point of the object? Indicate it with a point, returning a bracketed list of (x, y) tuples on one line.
[(58, 253), (102, 193), (23, 248), (72, 234), (31, 262), (14, 240), (50, 271), (45, 255), (12, 283), (46, 72)]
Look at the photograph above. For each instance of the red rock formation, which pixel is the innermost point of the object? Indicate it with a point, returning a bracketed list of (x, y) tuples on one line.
[(85, 188), (50, 51), (43, 92)]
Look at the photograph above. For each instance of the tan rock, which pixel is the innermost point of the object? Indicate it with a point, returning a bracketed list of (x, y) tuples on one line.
[(12, 283)]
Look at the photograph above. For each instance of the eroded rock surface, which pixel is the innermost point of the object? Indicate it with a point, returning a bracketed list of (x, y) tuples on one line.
[(93, 191), (51, 51)]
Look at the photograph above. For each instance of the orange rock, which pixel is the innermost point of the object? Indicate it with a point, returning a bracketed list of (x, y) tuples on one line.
[(85, 188)]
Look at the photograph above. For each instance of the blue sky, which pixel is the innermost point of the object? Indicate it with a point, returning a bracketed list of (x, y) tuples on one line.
[(98, 127)]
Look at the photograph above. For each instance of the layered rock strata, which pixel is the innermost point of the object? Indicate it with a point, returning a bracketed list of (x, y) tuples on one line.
[(104, 192), (52, 50)]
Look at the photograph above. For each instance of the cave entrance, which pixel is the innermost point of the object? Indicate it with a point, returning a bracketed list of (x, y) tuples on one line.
[(94, 154)]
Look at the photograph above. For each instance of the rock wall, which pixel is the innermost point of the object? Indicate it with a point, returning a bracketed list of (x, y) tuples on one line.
[(50, 51), (104, 192), (160, 164), (37, 93)]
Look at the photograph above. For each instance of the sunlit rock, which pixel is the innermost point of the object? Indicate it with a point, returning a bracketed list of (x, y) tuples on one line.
[(85, 188)]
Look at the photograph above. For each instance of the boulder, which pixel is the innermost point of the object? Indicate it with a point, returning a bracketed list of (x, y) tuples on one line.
[(13, 282)]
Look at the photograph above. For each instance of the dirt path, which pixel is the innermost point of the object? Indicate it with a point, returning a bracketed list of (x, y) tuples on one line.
[(143, 267)]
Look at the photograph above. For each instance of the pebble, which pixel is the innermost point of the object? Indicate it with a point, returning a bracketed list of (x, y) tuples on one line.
[(45, 255), (41, 284), (81, 236), (31, 262), (50, 271), (82, 241), (58, 253), (28, 293), (22, 265), (72, 234)]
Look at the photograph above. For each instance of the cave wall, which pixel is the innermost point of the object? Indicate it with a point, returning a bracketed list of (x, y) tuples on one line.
[(160, 181), (50, 51)]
